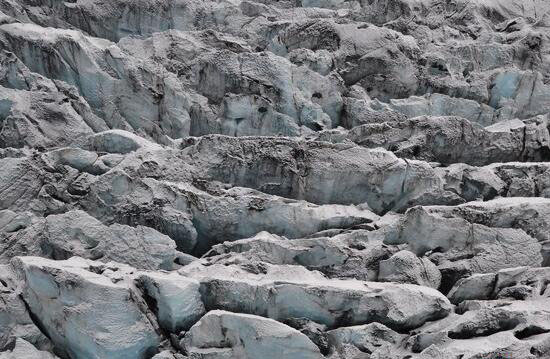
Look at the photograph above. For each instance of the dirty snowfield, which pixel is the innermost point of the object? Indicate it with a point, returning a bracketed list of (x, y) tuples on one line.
[(257, 179)]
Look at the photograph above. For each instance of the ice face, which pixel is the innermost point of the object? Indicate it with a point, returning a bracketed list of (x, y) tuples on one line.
[(259, 179)]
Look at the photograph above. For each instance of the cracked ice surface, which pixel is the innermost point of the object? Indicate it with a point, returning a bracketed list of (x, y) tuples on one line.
[(342, 179)]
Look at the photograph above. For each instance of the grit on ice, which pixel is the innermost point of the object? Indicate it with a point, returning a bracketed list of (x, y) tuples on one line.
[(253, 179)]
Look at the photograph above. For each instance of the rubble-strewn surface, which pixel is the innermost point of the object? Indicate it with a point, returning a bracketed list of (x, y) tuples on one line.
[(342, 179)]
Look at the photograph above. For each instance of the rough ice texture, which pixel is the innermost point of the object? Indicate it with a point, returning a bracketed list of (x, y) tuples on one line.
[(348, 179)]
